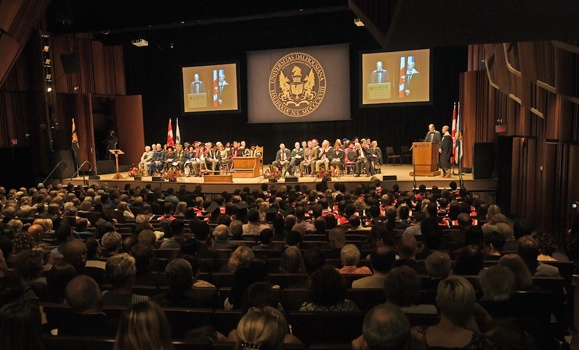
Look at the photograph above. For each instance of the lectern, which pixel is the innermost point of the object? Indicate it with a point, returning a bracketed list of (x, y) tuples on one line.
[(117, 152), (425, 159)]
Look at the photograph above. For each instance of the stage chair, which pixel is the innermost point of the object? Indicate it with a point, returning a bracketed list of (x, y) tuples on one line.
[(391, 155), (405, 153)]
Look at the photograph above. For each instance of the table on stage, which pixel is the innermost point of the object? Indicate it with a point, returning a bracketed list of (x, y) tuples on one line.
[(246, 167)]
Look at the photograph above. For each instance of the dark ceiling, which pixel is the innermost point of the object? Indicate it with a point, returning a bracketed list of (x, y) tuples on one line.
[(395, 24)]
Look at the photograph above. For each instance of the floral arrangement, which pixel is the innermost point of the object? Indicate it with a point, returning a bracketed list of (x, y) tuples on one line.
[(136, 172), (172, 174), (272, 174), (324, 174)]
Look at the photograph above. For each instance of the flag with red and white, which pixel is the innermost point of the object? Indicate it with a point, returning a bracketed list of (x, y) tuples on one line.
[(170, 141), (453, 134), (401, 88), (215, 89), (458, 138)]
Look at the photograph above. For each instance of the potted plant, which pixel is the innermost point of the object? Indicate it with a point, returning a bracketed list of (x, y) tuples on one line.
[(172, 174), (136, 173), (272, 174)]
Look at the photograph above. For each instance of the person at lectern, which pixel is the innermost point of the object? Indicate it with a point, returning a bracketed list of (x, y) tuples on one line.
[(197, 85), (379, 75), (445, 150), (111, 143), (432, 135)]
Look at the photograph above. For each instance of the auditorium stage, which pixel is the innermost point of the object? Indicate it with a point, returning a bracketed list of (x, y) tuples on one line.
[(399, 174)]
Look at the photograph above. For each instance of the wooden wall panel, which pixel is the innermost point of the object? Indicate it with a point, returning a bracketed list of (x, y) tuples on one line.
[(549, 192), (129, 118)]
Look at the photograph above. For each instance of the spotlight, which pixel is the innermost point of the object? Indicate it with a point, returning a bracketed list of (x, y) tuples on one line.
[(48, 89), (171, 45), (45, 48), (358, 22)]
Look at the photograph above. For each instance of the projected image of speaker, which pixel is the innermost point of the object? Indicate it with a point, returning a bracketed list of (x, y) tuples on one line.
[(70, 62), (483, 160)]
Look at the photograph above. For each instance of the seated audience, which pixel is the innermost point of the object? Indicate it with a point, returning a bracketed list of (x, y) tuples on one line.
[(182, 291), (382, 259), (350, 257), (523, 277), (84, 297), (456, 300), (144, 326), (240, 257), (327, 292), (402, 288), (261, 328), (222, 234), (120, 271), (292, 261), (470, 261), (21, 325), (528, 250), (407, 248), (385, 327)]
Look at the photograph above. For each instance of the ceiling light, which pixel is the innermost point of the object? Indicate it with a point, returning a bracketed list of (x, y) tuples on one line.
[(48, 89), (358, 22), (140, 42)]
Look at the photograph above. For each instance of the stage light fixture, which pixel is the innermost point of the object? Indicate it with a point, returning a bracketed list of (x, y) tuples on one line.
[(49, 89), (358, 22)]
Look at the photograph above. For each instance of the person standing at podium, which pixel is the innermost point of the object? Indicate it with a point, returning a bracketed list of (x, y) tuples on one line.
[(445, 150), (197, 85), (379, 75), (433, 135)]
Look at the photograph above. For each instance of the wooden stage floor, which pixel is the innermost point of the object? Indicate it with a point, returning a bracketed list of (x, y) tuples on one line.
[(401, 173)]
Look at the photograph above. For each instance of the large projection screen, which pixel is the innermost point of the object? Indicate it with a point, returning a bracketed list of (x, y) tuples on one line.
[(395, 77), (210, 88), (306, 84)]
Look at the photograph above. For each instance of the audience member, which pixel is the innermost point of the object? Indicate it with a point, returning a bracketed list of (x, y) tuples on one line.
[(327, 292), (144, 326), (382, 259), (121, 271), (385, 327), (350, 257), (402, 288)]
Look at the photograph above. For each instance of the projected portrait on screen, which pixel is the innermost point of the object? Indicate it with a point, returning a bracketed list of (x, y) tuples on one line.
[(396, 77), (210, 88)]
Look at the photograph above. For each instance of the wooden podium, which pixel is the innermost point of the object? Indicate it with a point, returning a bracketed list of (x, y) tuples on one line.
[(117, 152), (246, 166), (425, 159)]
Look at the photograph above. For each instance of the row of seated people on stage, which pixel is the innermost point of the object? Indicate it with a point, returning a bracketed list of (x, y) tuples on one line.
[(393, 267), (194, 159), (310, 156), (197, 158)]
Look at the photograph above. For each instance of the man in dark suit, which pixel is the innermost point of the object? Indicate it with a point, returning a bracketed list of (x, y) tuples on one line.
[(432, 135), (379, 75), (364, 158), (197, 86), (282, 158), (412, 82), (213, 156)]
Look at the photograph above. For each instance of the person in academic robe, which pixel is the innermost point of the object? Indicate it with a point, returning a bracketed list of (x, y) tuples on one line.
[(296, 157), (179, 156), (197, 85), (146, 159), (336, 156), (323, 156), (363, 159), (168, 157), (213, 156), (308, 159), (282, 158), (253, 151), (445, 150)]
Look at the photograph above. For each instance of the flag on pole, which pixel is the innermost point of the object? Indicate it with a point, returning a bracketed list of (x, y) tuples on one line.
[(453, 134), (177, 132), (215, 88), (401, 92), (75, 145), (170, 141), (458, 147)]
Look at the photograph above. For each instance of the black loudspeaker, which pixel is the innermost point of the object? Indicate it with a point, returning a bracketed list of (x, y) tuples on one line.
[(70, 62), (291, 179), (389, 178), (94, 177), (483, 160), (66, 170), (157, 178)]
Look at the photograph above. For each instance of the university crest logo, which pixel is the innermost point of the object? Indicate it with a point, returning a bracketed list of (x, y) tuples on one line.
[(297, 84)]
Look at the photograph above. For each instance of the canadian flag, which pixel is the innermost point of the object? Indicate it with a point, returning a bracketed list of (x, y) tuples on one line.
[(170, 141), (401, 92)]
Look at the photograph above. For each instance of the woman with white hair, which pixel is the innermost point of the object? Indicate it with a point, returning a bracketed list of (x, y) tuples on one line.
[(350, 256), (146, 159)]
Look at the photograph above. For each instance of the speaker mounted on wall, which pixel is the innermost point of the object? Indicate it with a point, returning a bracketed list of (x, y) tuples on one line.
[(70, 62)]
